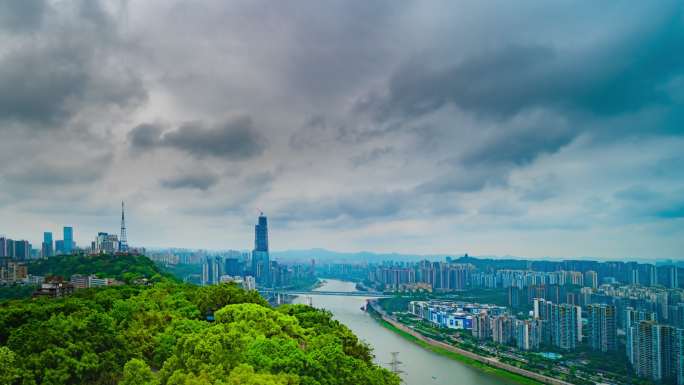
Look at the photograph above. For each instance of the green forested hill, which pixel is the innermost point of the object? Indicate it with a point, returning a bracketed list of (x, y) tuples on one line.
[(159, 335), (121, 267)]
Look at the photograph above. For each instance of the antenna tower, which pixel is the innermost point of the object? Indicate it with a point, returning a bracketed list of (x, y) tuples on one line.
[(123, 243), (394, 364)]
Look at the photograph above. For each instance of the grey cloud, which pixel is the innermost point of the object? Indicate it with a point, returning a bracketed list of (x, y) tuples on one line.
[(59, 172), (22, 15), (637, 193), (370, 156), (640, 202), (520, 143), (540, 189), (86, 68), (440, 100), (503, 81), (145, 136), (241, 200), (501, 208), (674, 212), (260, 181), (200, 181), (361, 206), (458, 179), (233, 139), (313, 133)]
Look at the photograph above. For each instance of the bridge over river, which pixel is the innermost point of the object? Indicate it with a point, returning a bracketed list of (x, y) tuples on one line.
[(373, 294)]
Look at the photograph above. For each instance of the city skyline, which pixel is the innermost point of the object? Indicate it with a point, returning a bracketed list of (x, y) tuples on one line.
[(530, 129)]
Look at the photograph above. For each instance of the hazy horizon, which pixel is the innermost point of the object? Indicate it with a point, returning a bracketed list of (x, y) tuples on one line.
[(499, 128)]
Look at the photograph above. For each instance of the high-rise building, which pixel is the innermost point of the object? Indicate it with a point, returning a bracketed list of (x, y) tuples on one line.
[(3, 247), (675, 315), (207, 272), (679, 355), (260, 257), (212, 270), (10, 249), (482, 328), (502, 329), (59, 247), (650, 275), (249, 283), (106, 243), (656, 351), (232, 267), (602, 327), (562, 323), (528, 334), (646, 347), (591, 279), (565, 325), (22, 250), (668, 348), (668, 276), (261, 234), (48, 246), (633, 317), (68, 246), (634, 274)]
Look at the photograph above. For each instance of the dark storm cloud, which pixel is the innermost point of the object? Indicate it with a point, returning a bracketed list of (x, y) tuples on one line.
[(145, 136), (425, 116), (198, 181), (503, 81), (674, 212), (52, 69), (520, 143), (233, 139)]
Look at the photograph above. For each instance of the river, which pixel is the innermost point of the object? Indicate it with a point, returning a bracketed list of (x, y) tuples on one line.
[(420, 366)]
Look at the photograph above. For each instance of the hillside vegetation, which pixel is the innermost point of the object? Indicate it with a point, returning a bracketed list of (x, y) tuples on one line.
[(121, 267), (159, 334)]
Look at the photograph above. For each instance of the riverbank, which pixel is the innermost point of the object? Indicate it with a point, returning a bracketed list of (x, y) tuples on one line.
[(487, 364)]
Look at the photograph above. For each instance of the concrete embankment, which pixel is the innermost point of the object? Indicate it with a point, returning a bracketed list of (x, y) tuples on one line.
[(491, 361)]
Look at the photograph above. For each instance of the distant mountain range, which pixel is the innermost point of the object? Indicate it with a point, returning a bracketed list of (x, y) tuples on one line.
[(324, 255), (328, 256)]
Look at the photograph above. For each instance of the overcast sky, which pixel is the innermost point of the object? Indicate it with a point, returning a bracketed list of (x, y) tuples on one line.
[(489, 127)]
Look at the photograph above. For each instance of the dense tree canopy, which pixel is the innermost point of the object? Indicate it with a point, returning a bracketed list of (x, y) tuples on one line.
[(122, 267), (160, 335)]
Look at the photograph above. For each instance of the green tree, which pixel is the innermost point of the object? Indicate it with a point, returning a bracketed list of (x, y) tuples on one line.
[(137, 372), (9, 373)]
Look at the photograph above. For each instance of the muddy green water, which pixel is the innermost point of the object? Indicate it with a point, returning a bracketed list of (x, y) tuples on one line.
[(420, 367)]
